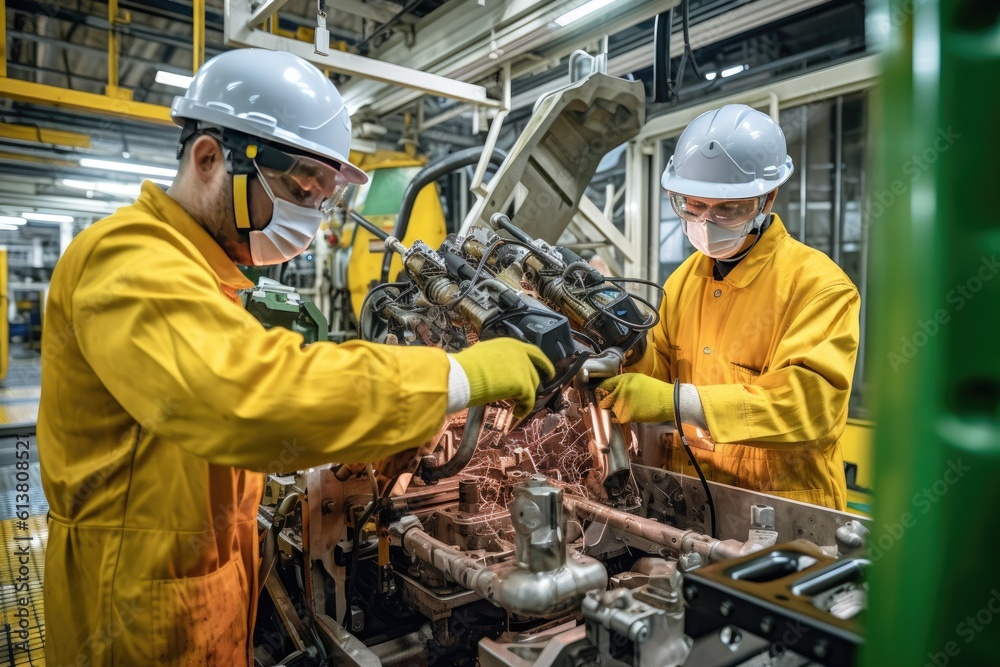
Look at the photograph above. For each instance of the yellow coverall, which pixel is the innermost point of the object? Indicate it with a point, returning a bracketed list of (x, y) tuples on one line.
[(771, 349), (163, 402)]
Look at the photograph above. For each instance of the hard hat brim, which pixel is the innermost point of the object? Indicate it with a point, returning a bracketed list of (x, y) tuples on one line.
[(710, 190)]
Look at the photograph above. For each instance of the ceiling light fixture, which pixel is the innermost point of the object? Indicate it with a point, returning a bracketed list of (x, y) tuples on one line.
[(11, 220), (172, 79), (582, 11), (8, 228), (127, 167), (104, 187), (733, 70), (46, 217)]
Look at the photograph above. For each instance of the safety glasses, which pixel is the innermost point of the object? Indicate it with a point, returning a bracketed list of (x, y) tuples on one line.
[(727, 213), (302, 180)]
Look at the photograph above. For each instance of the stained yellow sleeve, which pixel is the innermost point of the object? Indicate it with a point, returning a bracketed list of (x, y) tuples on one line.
[(196, 369), (805, 392)]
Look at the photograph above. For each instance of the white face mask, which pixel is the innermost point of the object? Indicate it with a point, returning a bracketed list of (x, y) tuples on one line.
[(718, 242), (290, 231)]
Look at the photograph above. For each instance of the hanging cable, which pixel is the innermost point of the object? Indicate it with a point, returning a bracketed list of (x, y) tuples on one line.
[(662, 89), (687, 448)]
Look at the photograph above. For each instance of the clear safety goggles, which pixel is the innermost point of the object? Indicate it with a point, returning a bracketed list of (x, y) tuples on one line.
[(301, 180), (727, 213)]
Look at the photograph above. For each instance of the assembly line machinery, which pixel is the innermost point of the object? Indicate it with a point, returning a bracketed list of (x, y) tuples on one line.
[(559, 539)]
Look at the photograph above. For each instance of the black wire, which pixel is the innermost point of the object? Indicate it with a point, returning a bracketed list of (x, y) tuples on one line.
[(355, 549), (380, 288), (686, 25), (640, 281), (586, 339), (678, 424), (472, 281), (606, 308), (688, 53)]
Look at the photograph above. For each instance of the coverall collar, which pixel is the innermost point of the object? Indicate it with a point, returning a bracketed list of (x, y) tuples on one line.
[(159, 204), (750, 266)]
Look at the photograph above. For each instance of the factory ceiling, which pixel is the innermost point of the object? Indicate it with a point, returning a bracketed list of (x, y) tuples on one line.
[(47, 146)]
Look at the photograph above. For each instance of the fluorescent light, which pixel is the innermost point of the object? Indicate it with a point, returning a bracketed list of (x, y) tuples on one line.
[(710, 76), (11, 220), (175, 80), (105, 187), (8, 228), (127, 167), (581, 11), (733, 70), (46, 217)]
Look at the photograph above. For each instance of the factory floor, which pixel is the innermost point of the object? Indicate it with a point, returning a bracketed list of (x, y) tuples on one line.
[(22, 563)]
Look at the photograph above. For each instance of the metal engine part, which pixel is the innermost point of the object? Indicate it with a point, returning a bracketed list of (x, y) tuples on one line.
[(546, 577), (511, 568)]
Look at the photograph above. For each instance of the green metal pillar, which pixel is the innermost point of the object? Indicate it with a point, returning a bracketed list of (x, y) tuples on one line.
[(935, 585)]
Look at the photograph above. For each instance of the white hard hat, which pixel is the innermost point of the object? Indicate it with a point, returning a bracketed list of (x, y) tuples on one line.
[(275, 96), (733, 152)]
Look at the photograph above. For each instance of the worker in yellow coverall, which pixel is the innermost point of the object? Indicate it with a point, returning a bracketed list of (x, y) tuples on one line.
[(760, 330), (163, 401)]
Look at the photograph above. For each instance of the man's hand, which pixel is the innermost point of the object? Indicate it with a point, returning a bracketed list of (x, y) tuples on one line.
[(504, 368), (635, 397)]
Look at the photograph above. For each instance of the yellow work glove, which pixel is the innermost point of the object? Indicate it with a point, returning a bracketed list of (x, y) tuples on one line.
[(504, 368), (635, 397)]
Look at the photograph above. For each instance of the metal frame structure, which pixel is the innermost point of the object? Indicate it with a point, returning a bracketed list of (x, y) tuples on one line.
[(449, 42), (241, 29), (115, 101)]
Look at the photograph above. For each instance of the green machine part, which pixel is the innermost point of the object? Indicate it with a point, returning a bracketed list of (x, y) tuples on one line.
[(277, 305), (935, 579)]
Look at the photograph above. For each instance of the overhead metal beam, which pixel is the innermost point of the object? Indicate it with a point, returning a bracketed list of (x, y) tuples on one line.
[(261, 13), (379, 10), (722, 27), (44, 136), (819, 85), (470, 42), (239, 33), (37, 93)]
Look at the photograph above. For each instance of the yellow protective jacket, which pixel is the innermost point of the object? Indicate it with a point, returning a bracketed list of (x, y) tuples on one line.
[(162, 403), (771, 349)]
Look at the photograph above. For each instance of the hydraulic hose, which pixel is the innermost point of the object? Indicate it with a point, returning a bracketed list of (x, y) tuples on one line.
[(474, 423), (425, 176)]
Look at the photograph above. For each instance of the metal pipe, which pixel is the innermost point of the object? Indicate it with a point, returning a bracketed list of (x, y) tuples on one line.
[(474, 423), (3, 34), (675, 539), (838, 183), (112, 48), (517, 589), (198, 34)]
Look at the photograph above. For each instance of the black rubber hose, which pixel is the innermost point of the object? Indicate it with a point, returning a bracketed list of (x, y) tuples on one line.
[(661, 56), (474, 423), (424, 177), (687, 448)]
